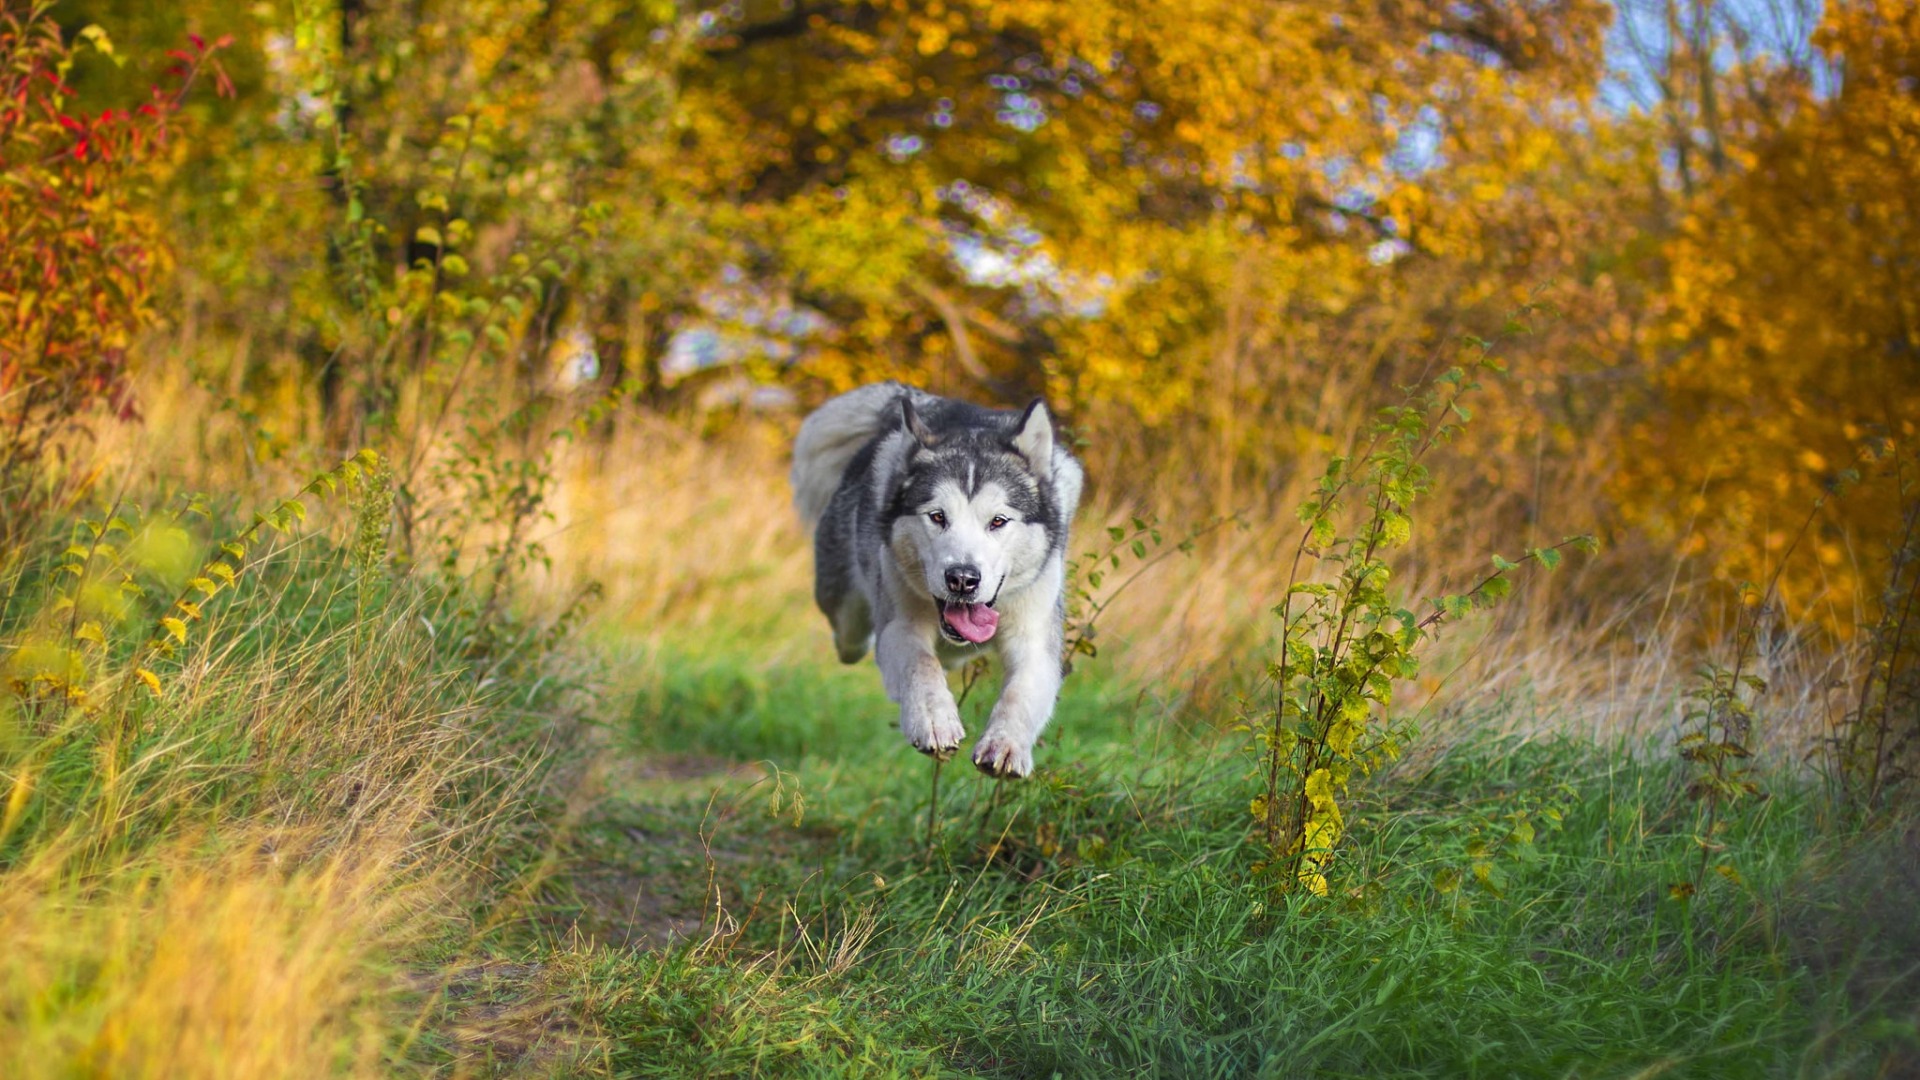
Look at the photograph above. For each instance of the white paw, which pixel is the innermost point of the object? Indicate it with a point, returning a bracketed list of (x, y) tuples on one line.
[(1002, 755), (932, 725)]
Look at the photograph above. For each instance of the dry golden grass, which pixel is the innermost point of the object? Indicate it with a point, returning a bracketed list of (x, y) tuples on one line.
[(258, 963)]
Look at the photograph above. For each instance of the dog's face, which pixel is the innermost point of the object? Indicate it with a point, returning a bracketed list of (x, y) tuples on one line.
[(970, 521)]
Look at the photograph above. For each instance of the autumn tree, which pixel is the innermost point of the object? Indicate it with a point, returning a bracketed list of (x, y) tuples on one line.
[(1789, 331)]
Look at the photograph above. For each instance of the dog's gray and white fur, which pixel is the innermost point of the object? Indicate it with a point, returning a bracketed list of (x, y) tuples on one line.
[(940, 530)]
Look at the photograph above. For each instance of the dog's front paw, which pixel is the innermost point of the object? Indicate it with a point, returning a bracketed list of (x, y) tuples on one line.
[(932, 726), (1001, 755)]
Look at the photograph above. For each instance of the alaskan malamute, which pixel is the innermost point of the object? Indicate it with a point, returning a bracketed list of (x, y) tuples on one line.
[(940, 530)]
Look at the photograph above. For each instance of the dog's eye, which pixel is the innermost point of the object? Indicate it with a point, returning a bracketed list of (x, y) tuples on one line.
[(938, 518), (999, 521)]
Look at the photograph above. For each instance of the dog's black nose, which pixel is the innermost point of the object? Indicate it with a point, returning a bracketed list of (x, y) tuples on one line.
[(962, 581)]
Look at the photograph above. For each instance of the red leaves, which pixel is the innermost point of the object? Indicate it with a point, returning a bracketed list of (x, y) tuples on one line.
[(77, 242)]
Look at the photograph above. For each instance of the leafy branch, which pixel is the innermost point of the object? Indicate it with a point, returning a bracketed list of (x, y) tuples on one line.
[(1345, 643), (1148, 548)]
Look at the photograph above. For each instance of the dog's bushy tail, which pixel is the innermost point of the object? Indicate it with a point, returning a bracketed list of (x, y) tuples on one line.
[(829, 439)]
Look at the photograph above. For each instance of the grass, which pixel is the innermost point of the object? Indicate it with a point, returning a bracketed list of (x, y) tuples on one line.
[(1097, 920), (328, 848), (247, 872)]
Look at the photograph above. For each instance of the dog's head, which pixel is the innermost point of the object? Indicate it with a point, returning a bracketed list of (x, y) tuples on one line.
[(970, 520)]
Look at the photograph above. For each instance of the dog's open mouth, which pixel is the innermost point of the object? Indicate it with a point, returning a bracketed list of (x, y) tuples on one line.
[(968, 623)]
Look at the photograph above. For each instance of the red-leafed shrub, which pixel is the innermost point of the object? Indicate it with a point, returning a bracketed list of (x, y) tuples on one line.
[(79, 254)]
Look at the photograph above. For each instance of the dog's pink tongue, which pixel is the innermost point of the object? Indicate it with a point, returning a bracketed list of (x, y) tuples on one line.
[(975, 622)]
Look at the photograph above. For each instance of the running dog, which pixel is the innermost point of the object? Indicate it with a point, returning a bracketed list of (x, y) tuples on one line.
[(940, 531)]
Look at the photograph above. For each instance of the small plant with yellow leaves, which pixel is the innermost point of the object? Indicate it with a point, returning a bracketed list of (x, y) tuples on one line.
[(96, 590), (58, 665), (1345, 643)]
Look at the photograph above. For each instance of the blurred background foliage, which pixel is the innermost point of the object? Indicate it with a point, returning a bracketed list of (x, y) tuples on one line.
[(1215, 234)]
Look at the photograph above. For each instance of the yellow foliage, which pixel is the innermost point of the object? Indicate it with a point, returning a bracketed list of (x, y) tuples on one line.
[(1348, 726), (1790, 327), (37, 664), (1321, 831)]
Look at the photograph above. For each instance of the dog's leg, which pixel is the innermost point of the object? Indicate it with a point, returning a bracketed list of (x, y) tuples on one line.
[(838, 594), (916, 682), (852, 627), (1031, 656)]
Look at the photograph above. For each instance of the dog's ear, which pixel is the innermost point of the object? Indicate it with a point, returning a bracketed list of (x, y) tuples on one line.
[(911, 423), (1034, 439)]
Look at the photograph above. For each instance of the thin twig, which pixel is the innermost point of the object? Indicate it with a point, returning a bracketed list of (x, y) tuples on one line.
[(933, 805)]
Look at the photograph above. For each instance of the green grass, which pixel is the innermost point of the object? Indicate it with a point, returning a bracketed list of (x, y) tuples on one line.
[(1099, 920)]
